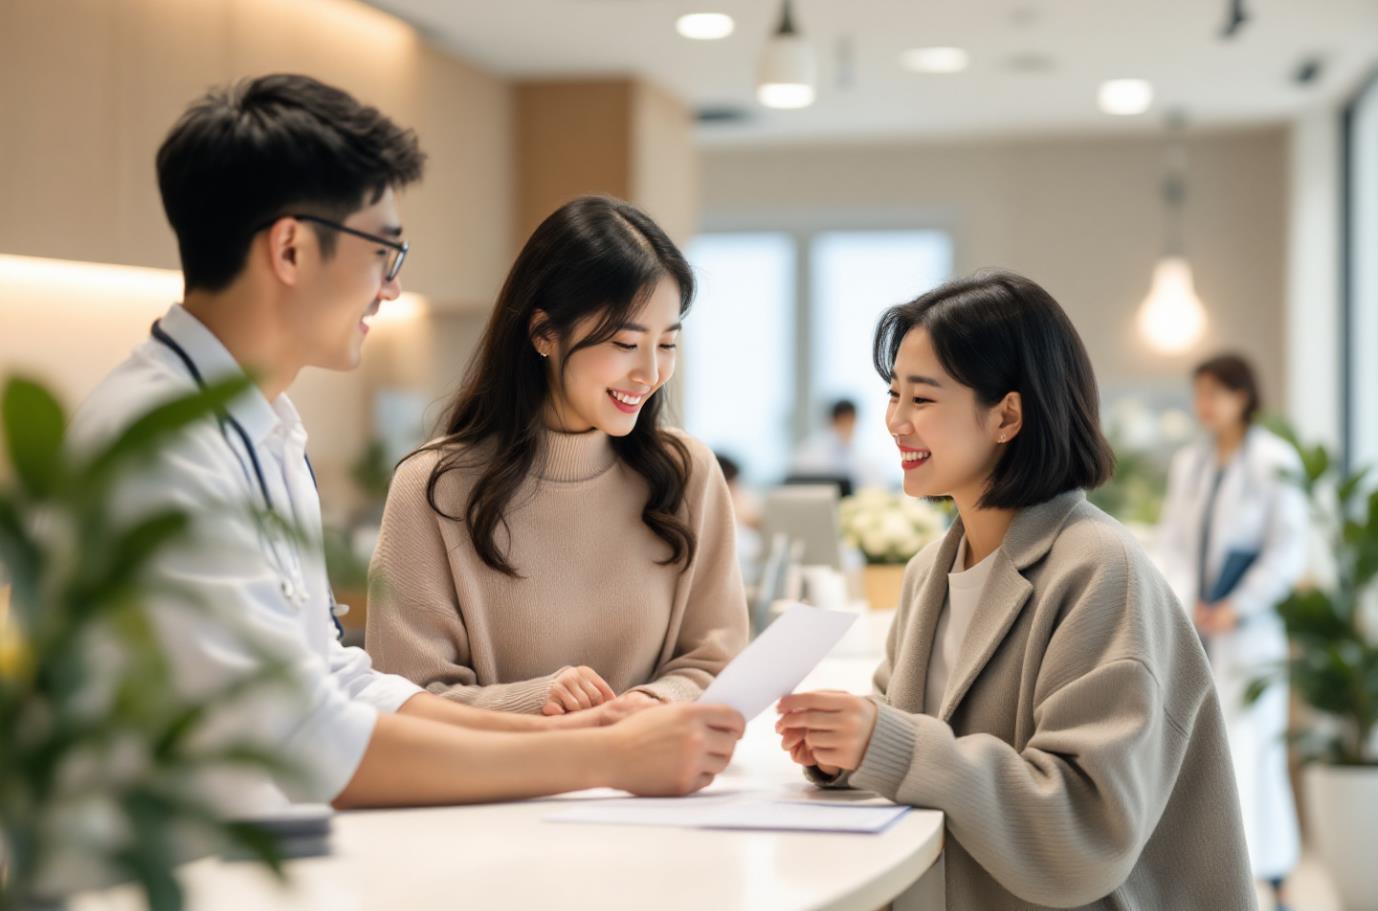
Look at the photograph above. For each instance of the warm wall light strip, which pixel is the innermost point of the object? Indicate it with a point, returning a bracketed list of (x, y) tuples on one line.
[(405, 309), (27, 273), (22, 276)]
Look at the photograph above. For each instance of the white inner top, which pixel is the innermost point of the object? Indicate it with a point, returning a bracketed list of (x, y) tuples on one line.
[(964, 587)]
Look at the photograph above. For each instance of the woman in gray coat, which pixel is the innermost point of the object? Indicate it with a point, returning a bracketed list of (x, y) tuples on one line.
[(1041, 685)]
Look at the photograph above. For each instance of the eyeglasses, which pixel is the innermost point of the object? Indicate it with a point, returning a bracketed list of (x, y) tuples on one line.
[(398, 249)]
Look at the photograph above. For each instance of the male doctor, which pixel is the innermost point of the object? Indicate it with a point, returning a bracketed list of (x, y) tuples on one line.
[(281, 191)]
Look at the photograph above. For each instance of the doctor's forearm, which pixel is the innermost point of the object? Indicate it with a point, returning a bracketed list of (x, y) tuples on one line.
[(413, 761)]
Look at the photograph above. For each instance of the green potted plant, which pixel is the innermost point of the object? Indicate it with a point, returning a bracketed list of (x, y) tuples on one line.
[(1134, 494), (1332, 627), (100, 756)]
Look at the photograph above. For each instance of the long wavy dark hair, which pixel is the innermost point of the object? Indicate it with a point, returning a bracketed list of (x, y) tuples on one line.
[(595, 256)]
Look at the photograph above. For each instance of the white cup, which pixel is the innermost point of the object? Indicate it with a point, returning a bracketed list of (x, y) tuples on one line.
[(825, 587)]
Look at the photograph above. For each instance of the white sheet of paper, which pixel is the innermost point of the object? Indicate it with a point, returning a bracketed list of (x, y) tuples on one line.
[(762, 814), (774, 663)]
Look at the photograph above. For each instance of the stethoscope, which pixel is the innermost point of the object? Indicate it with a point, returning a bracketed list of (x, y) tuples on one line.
[(292, 579)]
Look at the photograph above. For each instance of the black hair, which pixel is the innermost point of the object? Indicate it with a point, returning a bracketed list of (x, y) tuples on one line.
[(1236, 374), (997, 332), (242, 156), (730, 469), (593, 256), (842, 408)]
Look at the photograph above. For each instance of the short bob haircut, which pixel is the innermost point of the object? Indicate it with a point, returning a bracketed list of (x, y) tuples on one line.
[(1236, 374), (997, 332)]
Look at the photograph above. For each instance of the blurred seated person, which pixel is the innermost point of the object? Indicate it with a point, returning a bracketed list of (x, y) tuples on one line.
[(746, 510), (832, 454)]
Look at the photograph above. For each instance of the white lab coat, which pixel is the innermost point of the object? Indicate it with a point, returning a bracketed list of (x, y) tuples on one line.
[(273, 591), (1257, 509)]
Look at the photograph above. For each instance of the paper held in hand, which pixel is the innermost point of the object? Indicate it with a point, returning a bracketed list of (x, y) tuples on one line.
[(778, 659)]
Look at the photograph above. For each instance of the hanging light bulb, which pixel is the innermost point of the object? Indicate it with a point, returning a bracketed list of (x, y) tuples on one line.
[(1172, 319), (788, 69)]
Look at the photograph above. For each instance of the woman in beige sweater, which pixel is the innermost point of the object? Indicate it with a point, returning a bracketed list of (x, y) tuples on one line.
[(1041, 686), (557, 550)]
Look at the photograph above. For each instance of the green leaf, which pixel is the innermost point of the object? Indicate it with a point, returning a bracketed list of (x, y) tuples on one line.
[(1349, 487), (1257, 687), (132, 551), (191, 715), (1314, 617), (1280, 427), (258, 842), (1316, 460), (21, 557), (151, 430), (150, 856), (34, 429)]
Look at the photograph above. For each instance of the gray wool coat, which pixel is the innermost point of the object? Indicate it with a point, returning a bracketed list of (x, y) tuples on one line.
[(1080, 754)]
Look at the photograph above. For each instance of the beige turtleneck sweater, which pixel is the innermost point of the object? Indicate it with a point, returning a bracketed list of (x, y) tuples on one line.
[(591, 592)]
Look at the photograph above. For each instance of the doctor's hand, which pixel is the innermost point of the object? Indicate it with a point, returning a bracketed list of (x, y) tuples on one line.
[(624, 706), (831, 727), (1214, 619), (673, 750), (574, 689)]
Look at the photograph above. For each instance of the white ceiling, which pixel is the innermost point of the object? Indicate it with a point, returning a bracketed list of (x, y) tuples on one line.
[(1173, 43)]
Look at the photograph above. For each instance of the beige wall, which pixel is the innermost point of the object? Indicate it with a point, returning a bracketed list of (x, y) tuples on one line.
[(571, 139), (1080, 215), (624, 137), (665, 173), (88, 89)]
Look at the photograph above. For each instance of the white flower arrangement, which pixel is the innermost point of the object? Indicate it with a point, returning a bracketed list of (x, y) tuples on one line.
[(889, 527)]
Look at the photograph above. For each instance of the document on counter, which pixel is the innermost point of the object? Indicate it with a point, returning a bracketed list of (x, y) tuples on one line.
[(778, 659), (735, 812)]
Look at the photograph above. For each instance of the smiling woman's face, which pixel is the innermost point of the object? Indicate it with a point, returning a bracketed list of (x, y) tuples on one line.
[(948, 442), (605, 386)]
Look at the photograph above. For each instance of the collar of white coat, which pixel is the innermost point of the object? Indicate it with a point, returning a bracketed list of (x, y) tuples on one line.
[(259, 417)]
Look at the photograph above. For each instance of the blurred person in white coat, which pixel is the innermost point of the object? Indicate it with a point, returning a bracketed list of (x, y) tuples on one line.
[(1233, 544)]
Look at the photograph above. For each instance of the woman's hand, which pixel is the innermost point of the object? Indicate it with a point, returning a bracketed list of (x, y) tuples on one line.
[(575, 689), (828, 729), (793, 742)]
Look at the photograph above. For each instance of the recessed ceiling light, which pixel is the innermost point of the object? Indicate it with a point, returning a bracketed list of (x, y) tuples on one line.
[(1125, 97), (705, 26), (935, 59)]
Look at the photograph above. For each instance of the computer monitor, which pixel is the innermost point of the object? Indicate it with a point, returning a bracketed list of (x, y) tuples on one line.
[(841, 482), (807, 513)]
